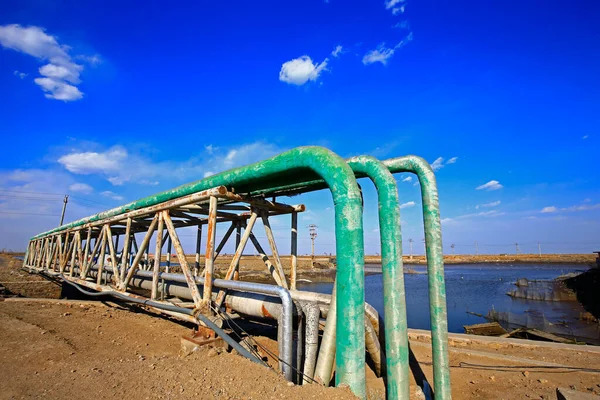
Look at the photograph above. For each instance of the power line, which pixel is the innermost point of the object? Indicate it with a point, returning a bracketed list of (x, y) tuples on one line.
[(21, 213)]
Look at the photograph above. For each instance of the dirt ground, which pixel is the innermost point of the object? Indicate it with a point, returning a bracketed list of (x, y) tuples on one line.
[(82, 349), (56, 348)]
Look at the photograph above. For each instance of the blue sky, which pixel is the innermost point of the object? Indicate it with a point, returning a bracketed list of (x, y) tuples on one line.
[(110, 102)]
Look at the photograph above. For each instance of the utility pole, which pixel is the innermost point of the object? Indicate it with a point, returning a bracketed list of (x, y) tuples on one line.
[(476, 248), (517, 247), (62, 216), (410, 241), (313, 235), (540, 249), (452, 246)]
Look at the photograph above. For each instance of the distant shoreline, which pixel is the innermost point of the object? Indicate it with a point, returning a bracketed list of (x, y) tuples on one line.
[(583, 259)]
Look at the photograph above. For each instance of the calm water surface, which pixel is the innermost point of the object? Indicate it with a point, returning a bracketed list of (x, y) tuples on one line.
[(475, 287)]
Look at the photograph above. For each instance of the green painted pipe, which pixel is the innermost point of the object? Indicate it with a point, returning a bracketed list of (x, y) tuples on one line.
[(435, 267), (396, 330), (435, 259), (294, 166)]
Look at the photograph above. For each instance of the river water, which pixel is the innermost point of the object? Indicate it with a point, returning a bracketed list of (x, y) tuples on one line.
[(480, 288)]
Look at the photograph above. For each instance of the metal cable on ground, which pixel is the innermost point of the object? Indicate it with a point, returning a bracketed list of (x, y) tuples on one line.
[(516, 368), (230, 321), (529, 367), (241, 350)]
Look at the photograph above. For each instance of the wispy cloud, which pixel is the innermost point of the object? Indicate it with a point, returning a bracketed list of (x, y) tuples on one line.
[(439, 163), (21, 75), (487, 205), (407, 179), (81, 188), (402, 25), (485, 214), (112, 195), (407, 204), (580, 207), (60, 76), (119, 166), (585, 137), (397, 6), (491, 185), (337, 51), (382, 53), (301, 70)]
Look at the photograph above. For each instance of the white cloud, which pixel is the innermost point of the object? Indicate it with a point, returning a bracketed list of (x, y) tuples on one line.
[(407, 179), (485, 214), (407, 204), (22, 215), (492, 204), (301, 70), (92, 60), (21, 75), (61, 73), (382, 53), (438, 163), (58, 90), (81, 188), (112, 195), (580, 207), (59, 70), (209, 148), (119, 166), (491, 185), (585, 137), (89, 162), (550, 209), (392, 3), (398, 10), (337, 51), (402, 25)]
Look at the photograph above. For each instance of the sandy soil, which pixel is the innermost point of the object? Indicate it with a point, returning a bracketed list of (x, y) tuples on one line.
[(56, 348), (73, 350)]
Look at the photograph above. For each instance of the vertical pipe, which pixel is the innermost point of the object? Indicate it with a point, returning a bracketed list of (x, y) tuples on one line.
[(394, 299), (157, 257), (435, 267), (294, 251), (198, 245), (169, 249), (86, 251), (311, 339), (101, 258), (126, 246), (209, 257), (326, 357)]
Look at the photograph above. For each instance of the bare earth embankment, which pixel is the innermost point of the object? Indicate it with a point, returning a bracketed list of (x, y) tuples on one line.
[(69, 349)]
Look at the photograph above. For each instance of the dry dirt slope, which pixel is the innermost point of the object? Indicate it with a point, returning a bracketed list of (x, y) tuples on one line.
[(87, 351)]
